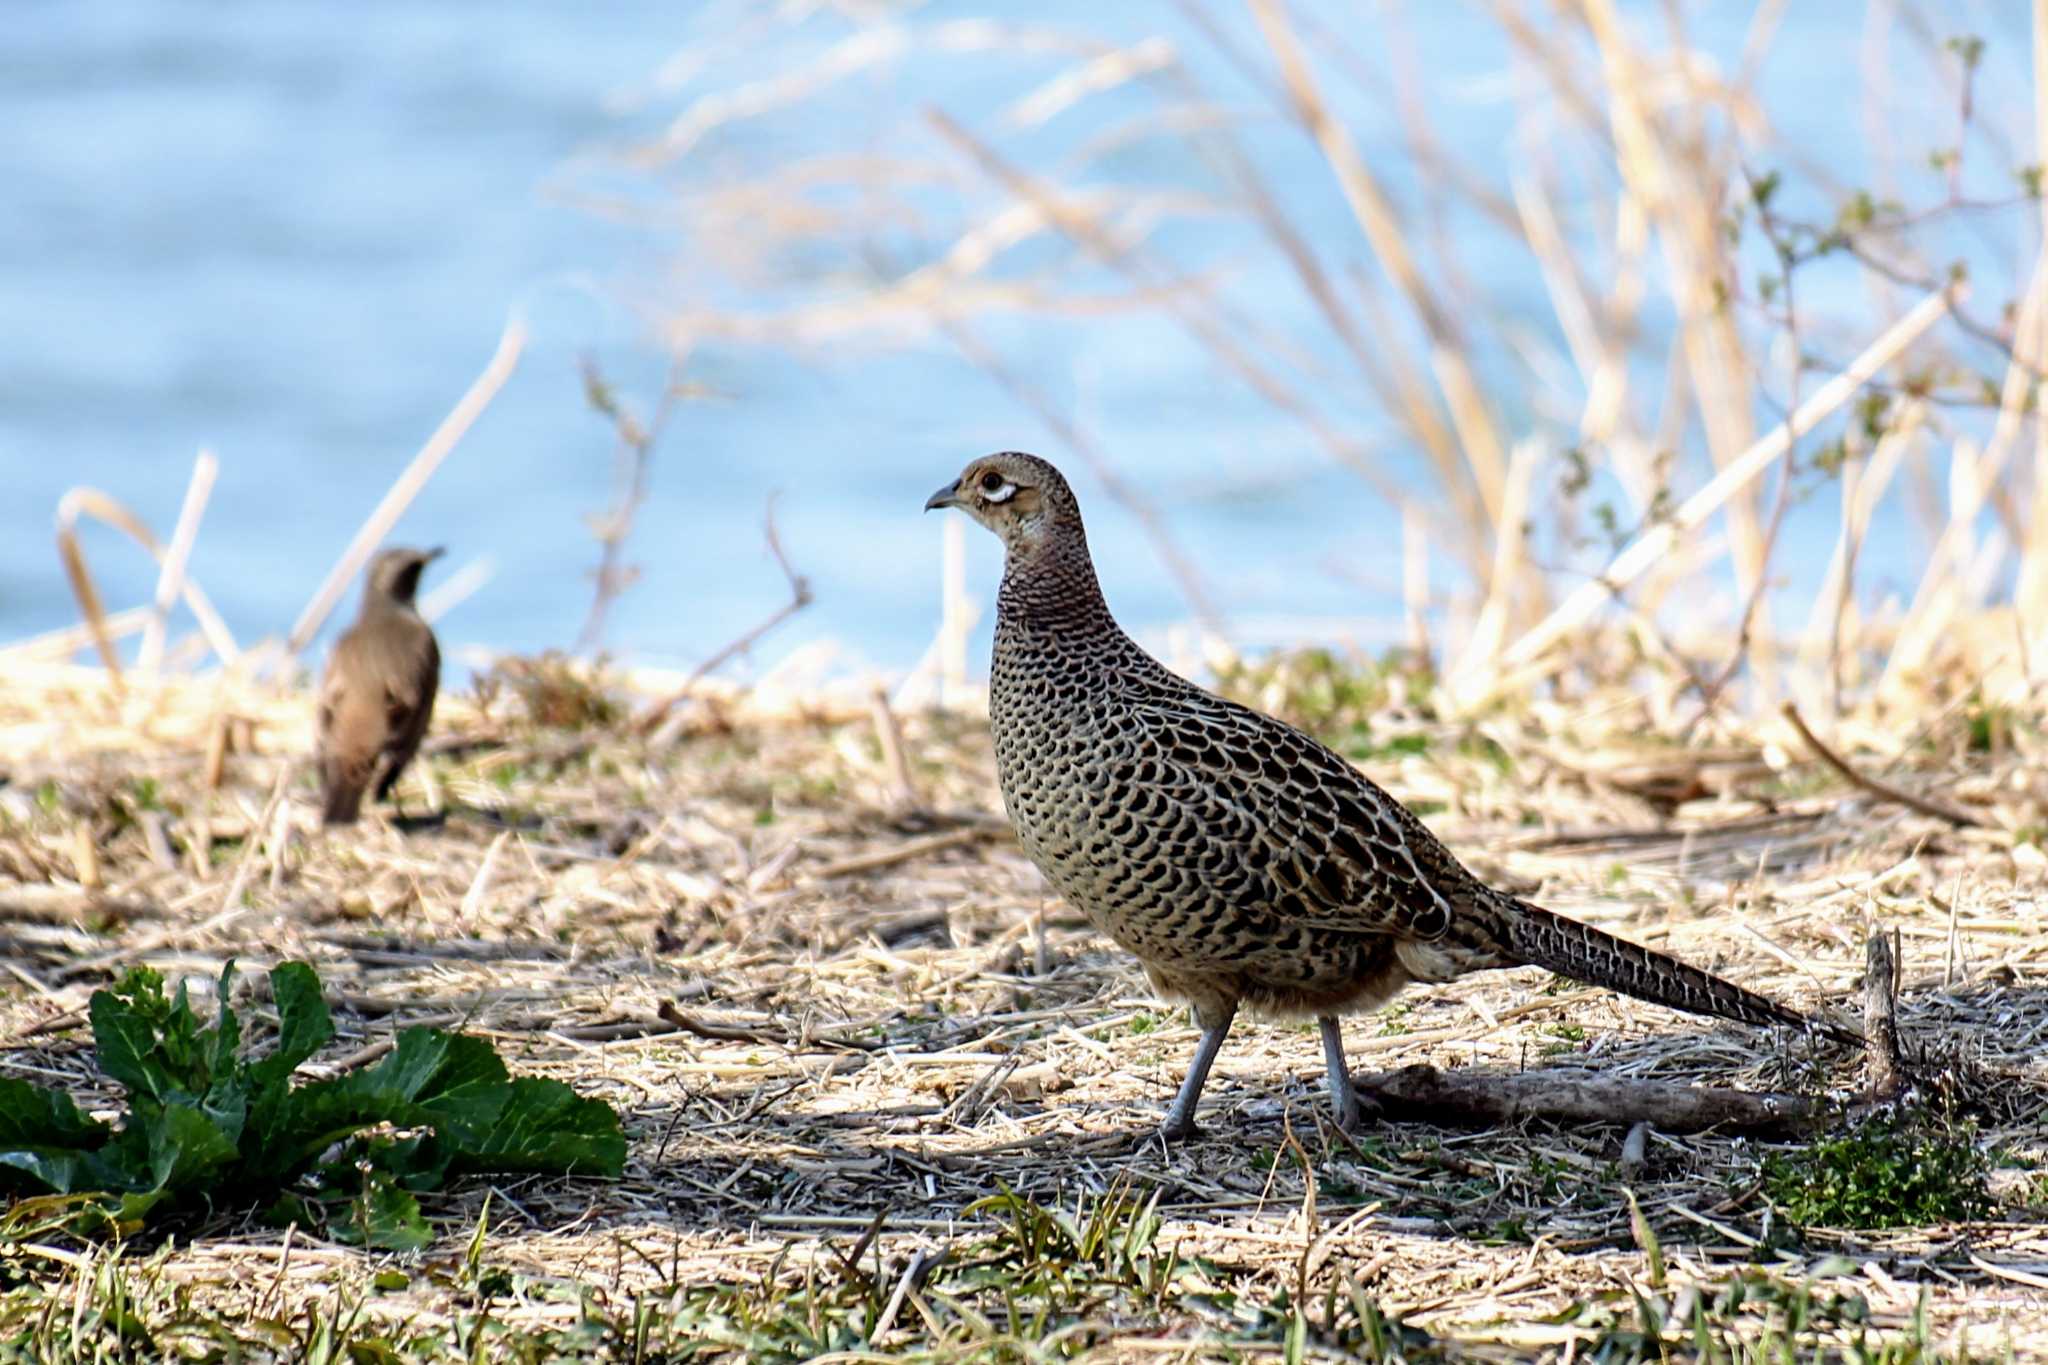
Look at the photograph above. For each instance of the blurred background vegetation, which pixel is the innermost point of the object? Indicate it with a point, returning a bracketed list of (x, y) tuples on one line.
[(1453, 329), (1719, 323)]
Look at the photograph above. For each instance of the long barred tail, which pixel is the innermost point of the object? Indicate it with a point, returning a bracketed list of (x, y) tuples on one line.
[(1543, 939)]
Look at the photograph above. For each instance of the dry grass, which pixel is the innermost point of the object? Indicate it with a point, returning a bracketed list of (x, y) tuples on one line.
[(826, 1014)]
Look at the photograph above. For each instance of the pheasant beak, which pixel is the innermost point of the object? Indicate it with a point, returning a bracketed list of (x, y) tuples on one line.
[(428, 556), (949, 496)]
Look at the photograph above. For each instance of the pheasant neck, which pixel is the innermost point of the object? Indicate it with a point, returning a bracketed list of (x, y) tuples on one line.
[(1050, 589)]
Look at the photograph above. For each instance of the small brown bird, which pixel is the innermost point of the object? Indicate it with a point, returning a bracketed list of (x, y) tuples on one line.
[(378, 693), (1239, 859)]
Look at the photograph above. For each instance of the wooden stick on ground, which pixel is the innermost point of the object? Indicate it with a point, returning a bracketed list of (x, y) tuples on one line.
[(1940, 810), (1486, 1097), (1886, 1065)]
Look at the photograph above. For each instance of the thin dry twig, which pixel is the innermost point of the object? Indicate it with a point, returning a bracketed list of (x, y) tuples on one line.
[(657, 723), (1940, 810), (1478, 433), (637, 442)]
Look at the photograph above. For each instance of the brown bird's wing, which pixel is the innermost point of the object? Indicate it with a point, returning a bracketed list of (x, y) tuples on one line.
[(1292, 828), (353, 729), (410, 689)]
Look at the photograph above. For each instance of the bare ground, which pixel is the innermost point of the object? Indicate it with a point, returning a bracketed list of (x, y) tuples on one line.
[(839, 1013)]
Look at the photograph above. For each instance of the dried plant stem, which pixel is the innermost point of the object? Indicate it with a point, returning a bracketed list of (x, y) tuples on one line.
[(889, 734), (408, 484), (1073, 219), (636, 454), (1863, 486), (83, 502), (1388, 369), (1658, 541), (1485, 451), (66, 641), (2030, 595), (171, 576), (1477, 670), (1669, 182), (1415, 579)]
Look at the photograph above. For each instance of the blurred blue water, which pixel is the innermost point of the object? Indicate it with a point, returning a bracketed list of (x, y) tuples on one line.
[(291, 234)]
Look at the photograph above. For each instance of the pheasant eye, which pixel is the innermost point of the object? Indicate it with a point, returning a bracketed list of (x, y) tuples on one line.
[(995, 488), (991, 481)]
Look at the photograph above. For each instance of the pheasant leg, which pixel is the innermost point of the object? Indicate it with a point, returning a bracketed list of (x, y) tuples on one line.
[(1343, 1099), (1180, 1119)]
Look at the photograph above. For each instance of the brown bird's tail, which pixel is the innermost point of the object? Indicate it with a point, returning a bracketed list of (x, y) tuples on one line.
[(1543, 939), (340, 800)]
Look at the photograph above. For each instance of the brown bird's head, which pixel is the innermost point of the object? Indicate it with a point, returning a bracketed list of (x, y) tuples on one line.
[(394, 575), (1020, 497)]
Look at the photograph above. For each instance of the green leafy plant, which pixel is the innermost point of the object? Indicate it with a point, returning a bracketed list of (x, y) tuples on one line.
[(1891, 1171), (206, 1121)]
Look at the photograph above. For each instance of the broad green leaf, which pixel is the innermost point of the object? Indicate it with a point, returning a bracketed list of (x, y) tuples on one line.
[(185, 1149), (135, 1208), (418, 1163), (204, 1125), (303, 1023), (44, 1137), (124, 1033), (183, 1046), (290, 1130), (543, 1125), (226, 1105), (224, 1039), (374, 1351), (439, 1069)]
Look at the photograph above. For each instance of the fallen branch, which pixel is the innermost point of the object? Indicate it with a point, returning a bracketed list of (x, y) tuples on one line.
[(1940, 810), (1489, 1098)]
